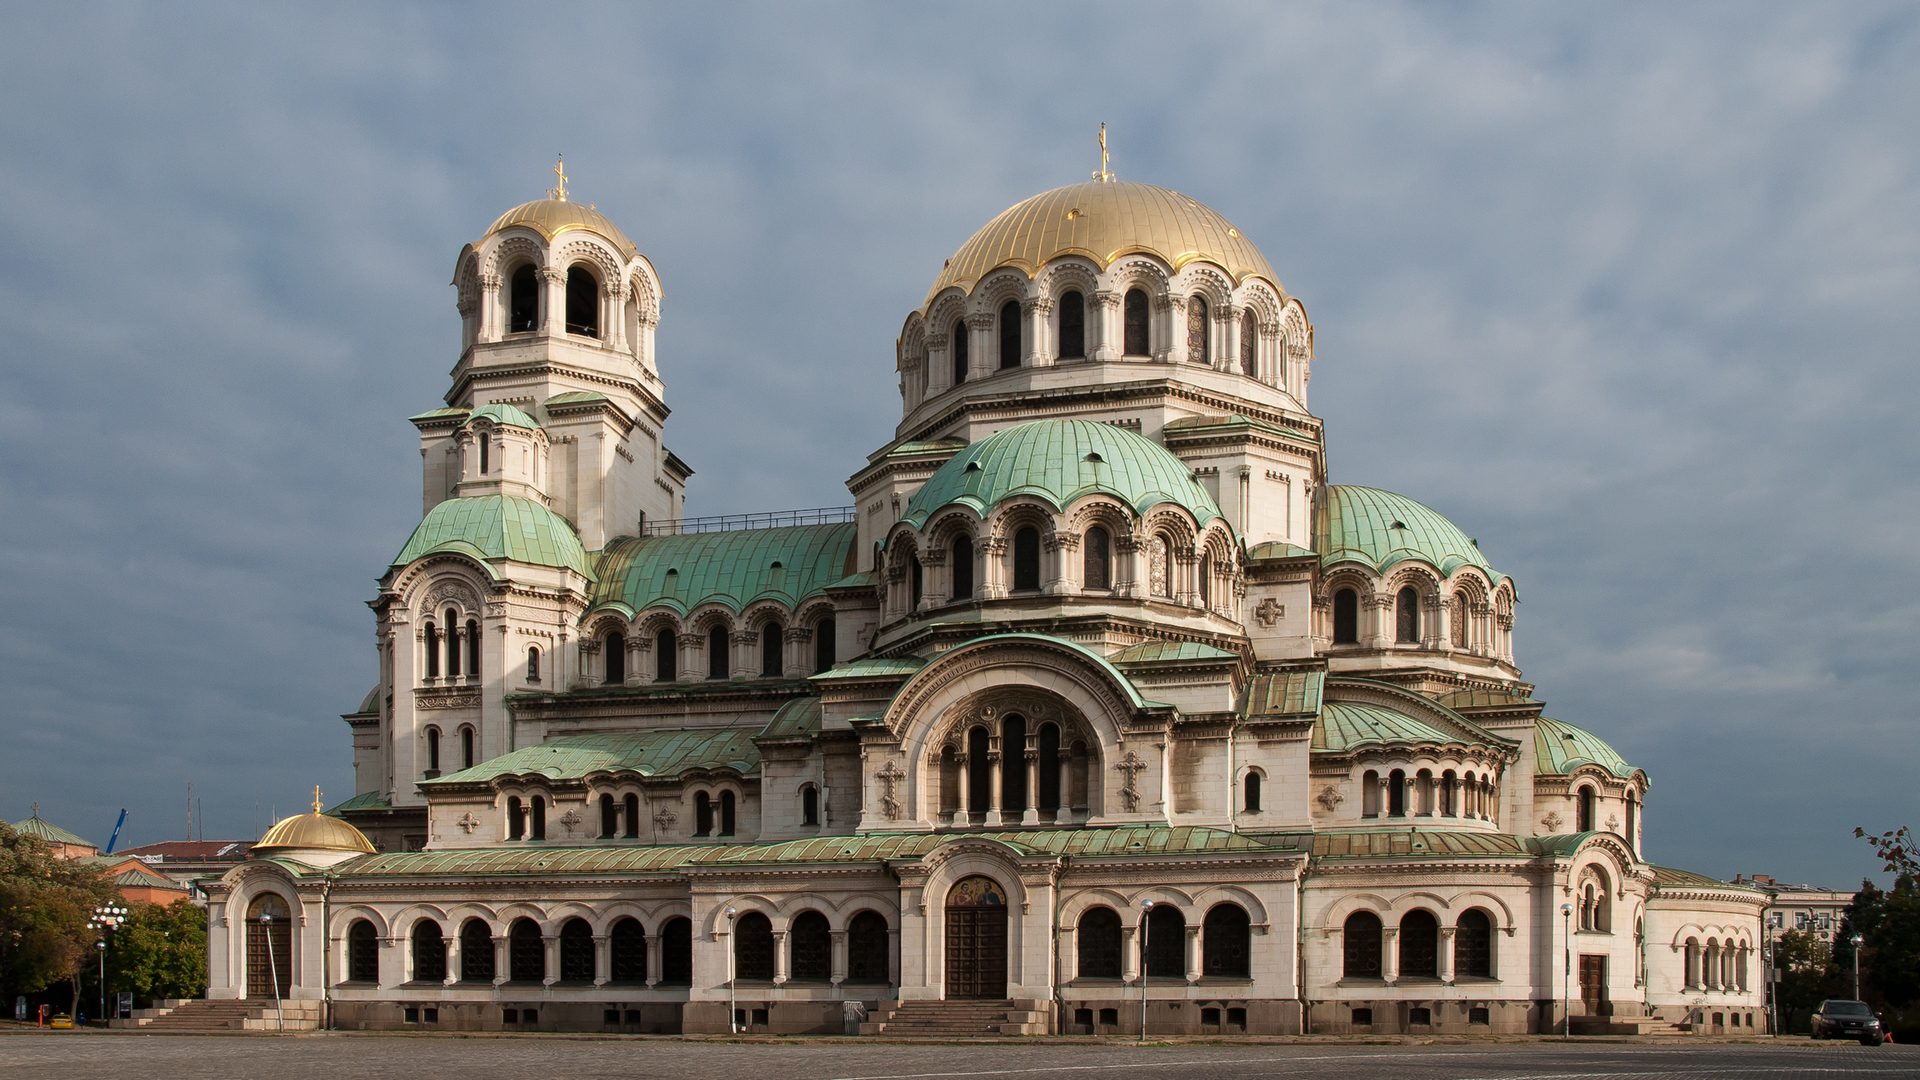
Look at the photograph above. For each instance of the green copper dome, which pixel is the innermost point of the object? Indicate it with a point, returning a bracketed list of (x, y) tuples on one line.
[(1559, 748), (1058, 461), (735, 569), (503, 413), (1381, 529), (488, 527)]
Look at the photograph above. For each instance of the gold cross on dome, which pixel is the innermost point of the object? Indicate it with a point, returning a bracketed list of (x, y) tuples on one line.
[(316, 798), (559, 191), (1105, 175)]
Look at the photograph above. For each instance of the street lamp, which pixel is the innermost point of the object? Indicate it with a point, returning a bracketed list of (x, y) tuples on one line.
[(1856, 940), (273, 968), (1146, 909), (105, 920), (733, 1013), (1566, 974)]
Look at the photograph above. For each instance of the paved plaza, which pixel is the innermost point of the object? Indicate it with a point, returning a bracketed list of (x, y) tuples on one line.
[(406, 1057)]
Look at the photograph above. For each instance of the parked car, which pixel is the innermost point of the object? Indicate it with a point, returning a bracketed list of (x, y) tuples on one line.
[(1840, 1019), (61, 1021)]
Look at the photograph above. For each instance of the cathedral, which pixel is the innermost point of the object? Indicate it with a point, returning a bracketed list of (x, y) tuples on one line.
[(1099, 707)]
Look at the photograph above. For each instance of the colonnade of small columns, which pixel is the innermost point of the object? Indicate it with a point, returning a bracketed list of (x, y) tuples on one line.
[(1488, 631), (1062, 571), (692, 656), (1717, 966), (1422, 794)]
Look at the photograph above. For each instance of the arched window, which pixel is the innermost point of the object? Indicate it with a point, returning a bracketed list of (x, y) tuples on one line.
[(613, 651), (702, 814), (1370, 794), (476, 952), (1073, 325), (1361, 937), (1585, 812), (1473, 946), (1026, 558), (959, 351), (627, 946), (1633, 822), (676, 952), (1460, 604), (1009, 335), (753, 948), (523, 300), (473, 648), (1249, 338), (1199, 331), (962, 563), (823, 645), (516, 819), (810, 946), (1136, 339), (772, 662), (466, 746), (576, 952), (1099, 944), (916, 583), (430, 637), (1226, 941), (809, 805), (632, 807), (666, 656), (481, 438), (1206, 581), (363, 952), (1396, 794), (1346, 617), (533, 663), (526, 953), (1250, 790), (583, 302), (1419, 946), (979, 774), (429, 952), (1406, 616), (609, 818), (1096, 559), (868, 949), (1166, 943), (453, 642), (1048, 798), (726, 813), (718, 666), (433, 750), (537, 818)]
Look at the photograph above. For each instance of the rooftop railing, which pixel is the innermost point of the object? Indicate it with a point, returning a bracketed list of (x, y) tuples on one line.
[(773, 519)]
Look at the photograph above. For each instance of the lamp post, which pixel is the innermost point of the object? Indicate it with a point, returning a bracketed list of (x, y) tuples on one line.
[(733, 1013), (105, 920), (1566, 974), (1856, 940), (273, 968), (101, 947), (1146, 910)]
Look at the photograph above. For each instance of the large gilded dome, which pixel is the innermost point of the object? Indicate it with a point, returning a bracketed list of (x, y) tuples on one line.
[(313, 832), (1103, 221), (551, 217)]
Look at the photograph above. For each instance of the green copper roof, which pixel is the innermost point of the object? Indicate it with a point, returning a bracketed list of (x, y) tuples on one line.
[(1148, 652), (488, 527), (1414, 843), (1284, 694), (1381, 530), (797, 719), (1058, 461), (576, 397), (502, 413), (1277, 549), (649, 753), (1668, 877), (366, 800), (733, 569), (875, 667), (1348, 725), (47, 831), (1559, 748), (140, 877)]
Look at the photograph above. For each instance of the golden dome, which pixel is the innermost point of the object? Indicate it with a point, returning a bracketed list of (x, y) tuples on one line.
[(313, 832), (1103, 221), (551, 217)]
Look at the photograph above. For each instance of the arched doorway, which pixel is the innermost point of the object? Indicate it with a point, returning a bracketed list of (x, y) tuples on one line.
[(977, 939), (269, 947)]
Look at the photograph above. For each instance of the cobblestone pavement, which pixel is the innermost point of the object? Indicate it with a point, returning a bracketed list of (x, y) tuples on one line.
[(405, 1057)]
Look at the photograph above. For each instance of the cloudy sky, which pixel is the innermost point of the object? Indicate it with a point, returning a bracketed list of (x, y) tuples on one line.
[(1628, 292)]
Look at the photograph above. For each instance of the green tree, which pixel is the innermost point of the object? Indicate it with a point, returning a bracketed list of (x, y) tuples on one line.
[(1808, 976), (1897, 848), (45, 903), (160, 952)]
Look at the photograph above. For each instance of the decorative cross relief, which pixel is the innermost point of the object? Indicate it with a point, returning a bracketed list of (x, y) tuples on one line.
[(889, 777), (571, 819), (1330, 797), (1270, 611), (468, 822), (664, 818), (1551, 821), (1130, 791), (1613, 823)]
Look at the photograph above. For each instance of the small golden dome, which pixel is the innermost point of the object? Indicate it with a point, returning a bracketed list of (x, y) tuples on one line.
[(1103, 221), (313, 832), (551, 217)]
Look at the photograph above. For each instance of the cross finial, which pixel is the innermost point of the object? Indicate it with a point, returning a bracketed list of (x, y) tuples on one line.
[(316, 798), (559, 190), (1105, 175), (36, 809)]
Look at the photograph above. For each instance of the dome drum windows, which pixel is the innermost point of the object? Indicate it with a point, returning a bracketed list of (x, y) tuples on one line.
[(523, 299), (1009, 331), (1072, 325), (1199, 331), (1136, 325), (583, 302)]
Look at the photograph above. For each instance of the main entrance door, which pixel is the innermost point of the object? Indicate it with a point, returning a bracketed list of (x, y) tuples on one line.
[(269, 947), (977, 939), (1593, 985)]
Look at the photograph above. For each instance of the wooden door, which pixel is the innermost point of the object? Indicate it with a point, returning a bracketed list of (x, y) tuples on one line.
[(1593, 985), (269, 947), (976, 940)]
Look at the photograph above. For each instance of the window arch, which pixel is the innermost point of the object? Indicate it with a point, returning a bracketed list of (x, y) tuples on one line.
[(1460, 608), (363, 952), (516, 819), (433, 750), (1199, 338), (631, 804), (1206, 580), (526, 953), (753, 948), (823, 645), (1026, 558), (476, 952), (1226, 939), (1096, 559), (810, 948), (583, 302), (1406, 616), (1473, 945), (1360, 939), (1419, 945), (473, 648), (430, 637), (523, 300), (718, 665), (613, 650), (772, 662), (1250, 792), (962, 562), (1166, 942), (1585, 813), (1396, 794), (959, 351), (576, 952), (1346, 617), (726, 813), (1099, 943), (429, 952), (1249, 339), (702, 814), (533, 663), (537, 818), (676, 952), (868, 949), (916, 583), (666, 656), (1073, 325), (609, 818), (1136, 338), (809, 804), (481, 438), (627, 946), (1009, 335), (453, 642)]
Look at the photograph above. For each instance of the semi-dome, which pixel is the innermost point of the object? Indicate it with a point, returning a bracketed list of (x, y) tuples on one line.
[(313, 832), (551, 217), (1103, 221), (1382, 529), (1058, 461), (488, 527), (1559, 748)]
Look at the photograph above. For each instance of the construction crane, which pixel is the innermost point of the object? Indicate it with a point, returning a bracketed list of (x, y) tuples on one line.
[(115, 838)]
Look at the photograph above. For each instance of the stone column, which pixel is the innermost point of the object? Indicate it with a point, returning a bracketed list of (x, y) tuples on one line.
[(549, 959), (1060, 576), (1448, 943), (639, 660), (964, 815), (992, 579), (1064, 814), (939, 366), (613, 315), (1126, 569), (983, 353), (1390, 954), (1039, 350), (453, 960), (602, 959), (893, 952), (995, 778), (1102, 317), (1230, 337), (1194, 947), (938, 579), (553, 294), (781, 959), (500, 968), (1171, 311), (653, 960), (746, 658), (837, 956), (1132, 963)]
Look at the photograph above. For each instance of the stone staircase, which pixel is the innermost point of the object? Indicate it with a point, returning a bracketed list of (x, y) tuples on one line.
[(204, 1017), (958, 1020), (1628, 1025)]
